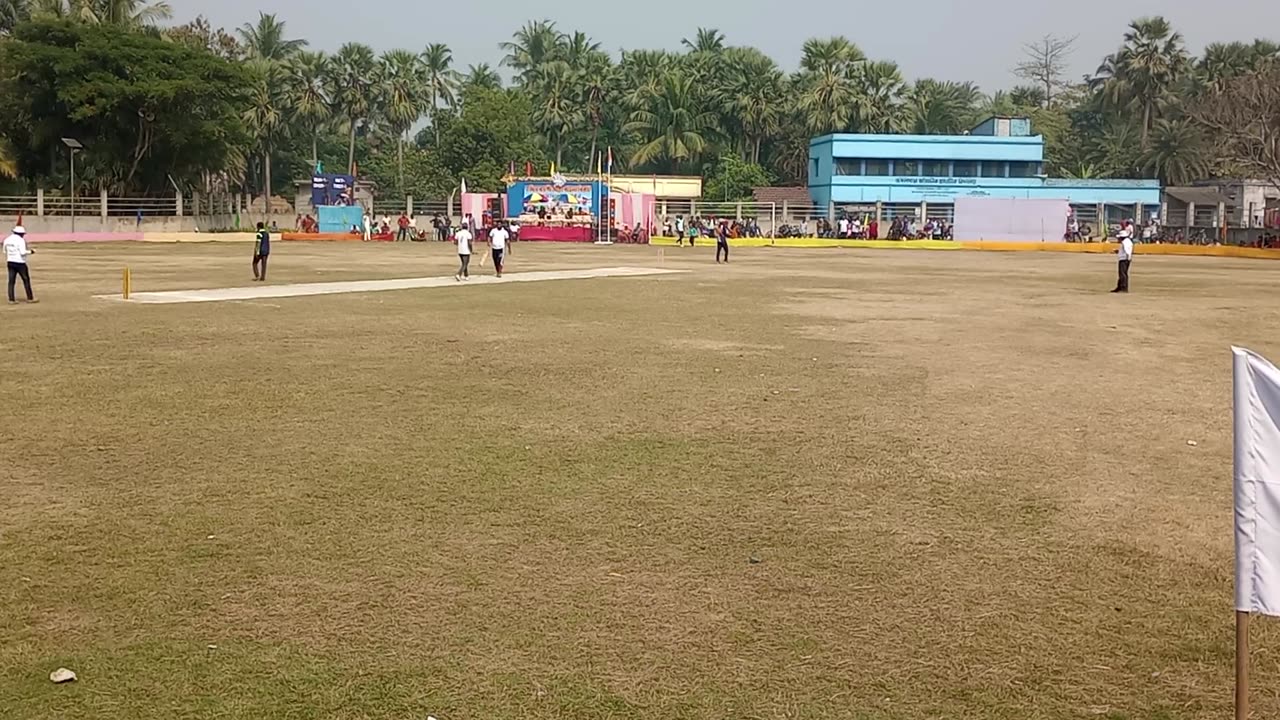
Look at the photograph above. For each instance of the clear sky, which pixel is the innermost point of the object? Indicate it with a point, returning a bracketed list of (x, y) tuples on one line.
[(977, 40)]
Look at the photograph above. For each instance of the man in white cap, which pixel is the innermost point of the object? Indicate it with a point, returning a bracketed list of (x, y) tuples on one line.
[(15, 255), (1125, 256)]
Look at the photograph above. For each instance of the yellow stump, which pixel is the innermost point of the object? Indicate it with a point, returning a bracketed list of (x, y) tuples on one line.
[(127, 280)]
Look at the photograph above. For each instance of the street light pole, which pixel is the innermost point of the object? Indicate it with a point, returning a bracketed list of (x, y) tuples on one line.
[(72, 152), (73, 146)]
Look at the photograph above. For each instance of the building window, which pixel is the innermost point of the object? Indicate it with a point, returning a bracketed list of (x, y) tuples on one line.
[(848, 166), (965, 168), (906, 168), (937, 168), (878, 168), (992, 169), (1024, 169), (813, 167)]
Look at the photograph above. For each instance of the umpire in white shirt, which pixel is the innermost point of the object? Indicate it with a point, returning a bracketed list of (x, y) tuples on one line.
[(1125, 256), (15, 255)]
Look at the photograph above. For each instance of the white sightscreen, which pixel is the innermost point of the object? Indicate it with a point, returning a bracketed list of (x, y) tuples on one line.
[(1011, 219)]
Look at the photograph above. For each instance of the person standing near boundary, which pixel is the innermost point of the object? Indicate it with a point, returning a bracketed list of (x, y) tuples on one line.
[(722, 242), (1125, 256), (261, 250), (463, 239), (15, 255), (498, 237)]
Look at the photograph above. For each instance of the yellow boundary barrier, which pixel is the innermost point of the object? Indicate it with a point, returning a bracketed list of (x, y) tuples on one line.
[(1229, 251)]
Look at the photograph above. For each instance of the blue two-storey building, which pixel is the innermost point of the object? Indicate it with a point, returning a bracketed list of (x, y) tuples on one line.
[(922, 175)]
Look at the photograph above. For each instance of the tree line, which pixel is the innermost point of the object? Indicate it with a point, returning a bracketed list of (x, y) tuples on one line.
[(203, 108)]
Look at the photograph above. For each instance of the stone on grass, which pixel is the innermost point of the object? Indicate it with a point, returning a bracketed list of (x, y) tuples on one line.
[(62, 675)]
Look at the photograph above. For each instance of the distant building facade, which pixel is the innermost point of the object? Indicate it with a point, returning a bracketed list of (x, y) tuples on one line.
[(923, 174)]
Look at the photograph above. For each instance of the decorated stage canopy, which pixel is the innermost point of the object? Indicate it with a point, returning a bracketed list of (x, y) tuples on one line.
[(555, 195)]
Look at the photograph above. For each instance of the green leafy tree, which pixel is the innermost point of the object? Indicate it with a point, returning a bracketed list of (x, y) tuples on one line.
[(266, 115), (731, 178), (145, 107)]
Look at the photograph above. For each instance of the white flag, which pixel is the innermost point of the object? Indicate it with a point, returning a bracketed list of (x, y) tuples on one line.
[(464, 186), (1257, 483)]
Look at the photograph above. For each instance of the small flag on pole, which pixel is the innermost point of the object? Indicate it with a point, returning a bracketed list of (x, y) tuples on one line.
[(1256, 401), (599, 159), (609, 165), (553, 167), (1257, 483), (528, 169), (464, 186)]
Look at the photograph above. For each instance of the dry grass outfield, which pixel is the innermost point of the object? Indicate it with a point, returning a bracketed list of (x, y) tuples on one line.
[(965, 475)]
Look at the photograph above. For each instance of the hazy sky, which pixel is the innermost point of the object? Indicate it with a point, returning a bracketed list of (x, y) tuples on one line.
[(976, 40)]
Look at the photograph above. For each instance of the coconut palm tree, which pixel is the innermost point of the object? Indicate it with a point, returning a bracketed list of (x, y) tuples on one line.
[(128, 13), (8, 163), (12, 12), (480, 77), (557, 111), (267, 114), (352, 78), (439, 81), (596, 84), (578, 49), (308, 94), (675, 129), (402, 98), (1177, 152), (531, 46), (705, 40), (266, 39)]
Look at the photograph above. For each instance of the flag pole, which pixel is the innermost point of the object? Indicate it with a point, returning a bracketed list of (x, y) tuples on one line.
[(1242, 665)]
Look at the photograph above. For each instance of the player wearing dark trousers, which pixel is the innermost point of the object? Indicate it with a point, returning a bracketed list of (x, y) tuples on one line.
[(497, 261), (20, 270), (261, 251), (464, 265), (1125, 255), (15, 255), (722, 244)]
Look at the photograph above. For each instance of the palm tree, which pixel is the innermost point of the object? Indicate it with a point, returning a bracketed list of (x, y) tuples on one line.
[(128, 13), (402, 94), (877, 99), (1177, 152), (265, 40), (439, 81), (674, 128), (751, 97), (354, 72), (531, 46), (266, 114), (12, 12), (480, 77), (8, 163), (578, 49), (707, 40), (1143, 74), (826, 83), (640, 72), (945, 108), (557, 112), (596, 83), (308, 95)]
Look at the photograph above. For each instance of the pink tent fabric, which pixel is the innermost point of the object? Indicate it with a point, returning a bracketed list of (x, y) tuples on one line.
[(476, 204), (632, 208)]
